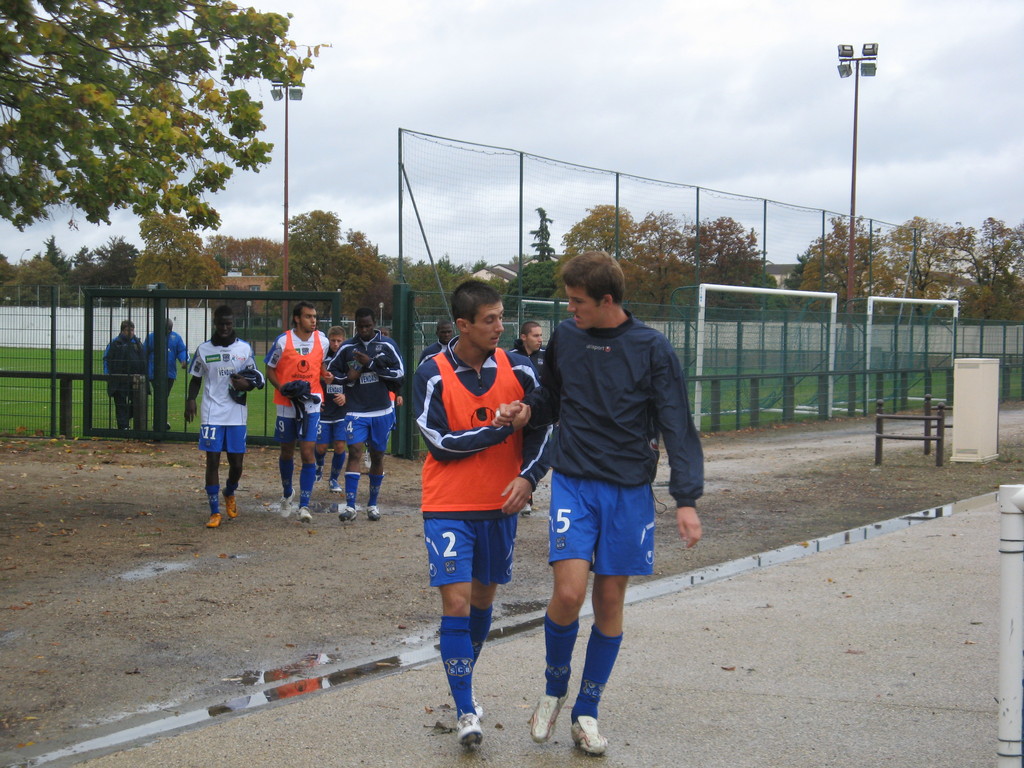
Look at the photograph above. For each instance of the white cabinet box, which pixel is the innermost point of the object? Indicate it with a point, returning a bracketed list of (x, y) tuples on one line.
[(975, 409)]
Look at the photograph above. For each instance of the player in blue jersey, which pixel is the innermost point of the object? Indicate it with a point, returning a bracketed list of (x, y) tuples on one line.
[(613, 385), (371, 362), (332, 417), (475, 479), (225, 368)]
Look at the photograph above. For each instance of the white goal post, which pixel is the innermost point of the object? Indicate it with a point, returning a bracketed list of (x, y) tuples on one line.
[(702, 306), (872, 300)]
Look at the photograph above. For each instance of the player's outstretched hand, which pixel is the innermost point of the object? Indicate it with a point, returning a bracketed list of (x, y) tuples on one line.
[(518, 492), (689, 525)]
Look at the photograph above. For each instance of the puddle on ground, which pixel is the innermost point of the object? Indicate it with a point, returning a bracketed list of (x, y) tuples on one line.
[(149, 570)]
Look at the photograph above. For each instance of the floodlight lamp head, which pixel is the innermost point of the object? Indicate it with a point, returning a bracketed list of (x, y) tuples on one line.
[(845, 51), (845, 70), (868, 68), (295, 93), (276, 93), (870, 49)]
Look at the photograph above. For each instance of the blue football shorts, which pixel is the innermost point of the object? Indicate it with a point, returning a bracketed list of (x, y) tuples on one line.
[(286, 429), (462, 550), (330, 432), (609, 525), (214, 438), (372, 430)]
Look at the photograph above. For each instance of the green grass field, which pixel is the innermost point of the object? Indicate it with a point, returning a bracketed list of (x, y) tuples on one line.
[(25, 403)]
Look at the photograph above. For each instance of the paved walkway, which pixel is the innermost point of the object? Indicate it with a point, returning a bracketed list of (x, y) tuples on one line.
[(881, 653)]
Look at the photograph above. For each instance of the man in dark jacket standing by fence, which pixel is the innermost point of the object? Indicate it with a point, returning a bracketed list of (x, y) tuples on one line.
[(123, 357)]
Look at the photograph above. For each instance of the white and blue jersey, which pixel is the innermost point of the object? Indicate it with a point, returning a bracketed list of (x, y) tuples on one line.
[(214, 364), (612, 392)]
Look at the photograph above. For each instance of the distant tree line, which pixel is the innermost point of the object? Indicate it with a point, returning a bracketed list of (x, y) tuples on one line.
[(659, 254)]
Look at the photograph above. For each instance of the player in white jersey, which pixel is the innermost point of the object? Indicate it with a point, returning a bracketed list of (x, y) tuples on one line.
[(225, 368)]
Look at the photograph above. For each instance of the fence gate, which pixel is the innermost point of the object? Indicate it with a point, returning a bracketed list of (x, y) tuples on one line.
[(154, 397)]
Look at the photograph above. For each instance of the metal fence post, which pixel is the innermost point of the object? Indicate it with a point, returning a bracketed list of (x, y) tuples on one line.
[(1011, 619)]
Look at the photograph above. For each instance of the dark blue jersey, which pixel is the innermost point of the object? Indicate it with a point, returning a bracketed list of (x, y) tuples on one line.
[(612, 392), (330, 411), (368, 392)]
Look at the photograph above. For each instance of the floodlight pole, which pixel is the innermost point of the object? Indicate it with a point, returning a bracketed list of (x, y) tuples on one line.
[(288, 92), (848, 62)]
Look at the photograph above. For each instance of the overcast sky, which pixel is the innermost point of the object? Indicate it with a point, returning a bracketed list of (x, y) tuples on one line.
[(740, 96)]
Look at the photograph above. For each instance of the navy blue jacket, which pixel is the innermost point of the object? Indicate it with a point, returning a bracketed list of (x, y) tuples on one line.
[(370, 393), (612, 392)]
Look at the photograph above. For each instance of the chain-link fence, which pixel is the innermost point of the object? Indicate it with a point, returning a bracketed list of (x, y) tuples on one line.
[(758, 365), (470, 203), (54, 381)]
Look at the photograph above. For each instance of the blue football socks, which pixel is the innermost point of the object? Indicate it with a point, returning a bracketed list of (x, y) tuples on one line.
[(287, 468), (213, 495), (558, 641), (479, 627), (337, 464), (601, 654), (351, 488), (375, 483), (307, 476), (457, 656)]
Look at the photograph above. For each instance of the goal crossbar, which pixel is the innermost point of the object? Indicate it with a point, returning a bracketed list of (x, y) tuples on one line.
[(872, 300), (702, 293)]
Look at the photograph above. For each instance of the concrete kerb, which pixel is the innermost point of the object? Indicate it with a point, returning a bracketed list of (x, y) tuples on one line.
[(426, 695)]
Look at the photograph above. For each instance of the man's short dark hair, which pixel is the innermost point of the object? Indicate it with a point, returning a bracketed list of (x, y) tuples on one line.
[(528, 326), (127, 324), (597, 274), (224, 310), (470, 296), (365, 312), (299, 306)]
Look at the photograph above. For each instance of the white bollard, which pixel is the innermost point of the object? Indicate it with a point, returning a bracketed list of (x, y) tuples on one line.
[(1011, 625)]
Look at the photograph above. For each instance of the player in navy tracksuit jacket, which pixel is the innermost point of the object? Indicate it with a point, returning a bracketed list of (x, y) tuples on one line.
[(373, 365), (613, 385)]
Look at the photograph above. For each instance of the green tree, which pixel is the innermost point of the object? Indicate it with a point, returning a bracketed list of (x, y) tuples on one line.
[(538, 280), (6, 270), (596, 232), (424, 276), (914, 256), (367, 282), (36, 271), (130, 104), (111, 264), (320, 260), (542, 237), (249, 255), (61, 263), (830, 276), (173, 255), (314, 251), (661, 260), (991, 260)]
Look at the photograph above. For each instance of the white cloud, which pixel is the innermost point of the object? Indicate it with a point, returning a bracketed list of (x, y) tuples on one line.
[(738, 95)]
